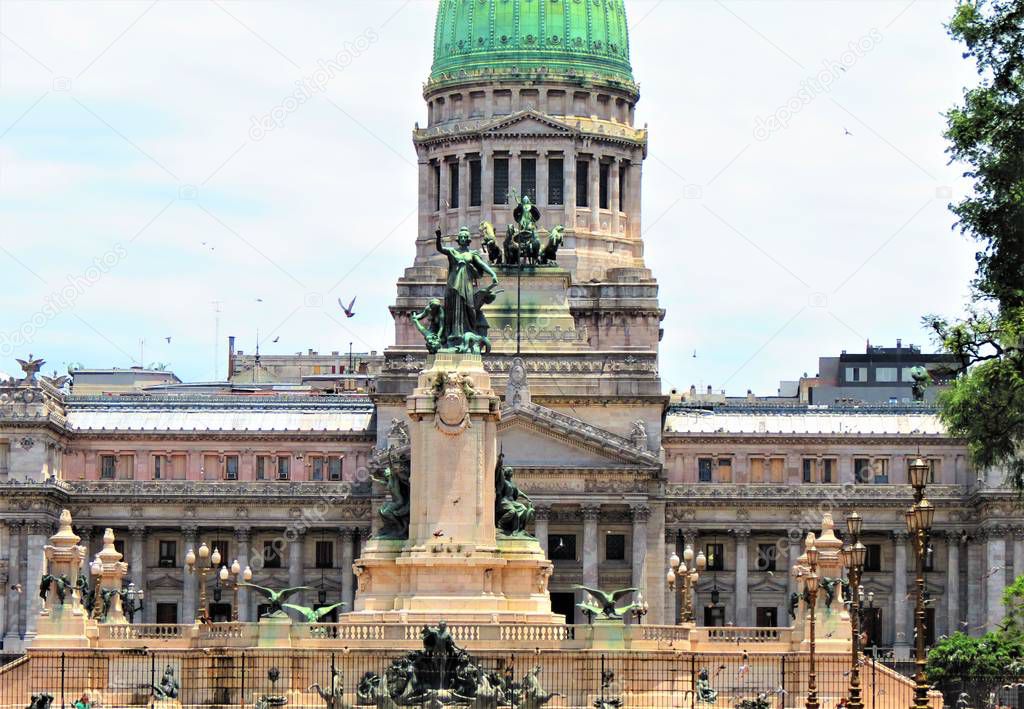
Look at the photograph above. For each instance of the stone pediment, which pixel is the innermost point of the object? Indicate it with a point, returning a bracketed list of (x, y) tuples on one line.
[(533, 436), (527, 123)]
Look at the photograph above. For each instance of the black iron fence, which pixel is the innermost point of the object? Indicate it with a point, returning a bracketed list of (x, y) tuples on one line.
[(572, 679)]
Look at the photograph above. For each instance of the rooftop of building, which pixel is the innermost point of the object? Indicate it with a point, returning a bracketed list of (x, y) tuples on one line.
[(491, 38)]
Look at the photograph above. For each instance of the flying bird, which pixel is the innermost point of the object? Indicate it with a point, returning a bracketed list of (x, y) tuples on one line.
[(168, 340), (277, 338), (846, 132), (438, 533), (349, 312)]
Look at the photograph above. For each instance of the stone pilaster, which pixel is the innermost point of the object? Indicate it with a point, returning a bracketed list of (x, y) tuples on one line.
[(975, 582), (347, 578), (242, 539), (540, 526), (487, 182), (635, 176), (742, 537), (296, 564), (15, 581), (952, 594), (464, 191), (137, 556), (613, 194), (443, 183), (570, 189), (189, 580), (515, 173), (542, 184), (595, 193), (37, 534), (591, 514), (425, 206), (640, 515), (995, 577), (901, 628)]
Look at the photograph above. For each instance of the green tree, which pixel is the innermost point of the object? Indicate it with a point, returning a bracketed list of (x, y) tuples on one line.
[(985, 404)]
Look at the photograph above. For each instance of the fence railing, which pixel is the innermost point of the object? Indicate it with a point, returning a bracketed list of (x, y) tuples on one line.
[(655, 680)]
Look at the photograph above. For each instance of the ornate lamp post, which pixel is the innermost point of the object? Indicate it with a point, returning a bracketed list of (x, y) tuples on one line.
[(95, 570), (688, 572), (134, 597), (810, 582), (854, 556), (203, 565), (920, 516), (229, 577)]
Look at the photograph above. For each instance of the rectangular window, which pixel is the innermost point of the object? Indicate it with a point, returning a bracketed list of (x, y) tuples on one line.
[(562, 547), (556, 181), (334, 468), (715, 554), (318, 469), (603, 175), (583, 183), (501, 180), (873, 558), (862, 470), (108, 467), (528, 178), (622, 188), (453, 185), (167, 613), (231, 467), (757, 470), (828, 470), (615, 547), (324, 555), (271, 556), (885, 374), (856, 374), (704, 466), (808, 470), (724, 472), (475, 188), (766, 556), (905, 375), (168, 558), (158, 467), (881, 470), (778, 468), (5, 457), (284, 465), (767, 616), (261, 467), (224, 548), (437, 186)]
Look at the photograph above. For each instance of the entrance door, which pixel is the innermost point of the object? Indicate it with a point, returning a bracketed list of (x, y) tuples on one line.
[(872, 627), (767, 617), (714, 616), (220, 612), (564, 603)]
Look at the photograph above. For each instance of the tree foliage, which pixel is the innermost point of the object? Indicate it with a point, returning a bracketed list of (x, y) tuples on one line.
[(985, 405)]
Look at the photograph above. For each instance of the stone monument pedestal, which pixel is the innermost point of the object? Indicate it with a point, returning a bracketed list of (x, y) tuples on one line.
[(453, 566), (275, 631)]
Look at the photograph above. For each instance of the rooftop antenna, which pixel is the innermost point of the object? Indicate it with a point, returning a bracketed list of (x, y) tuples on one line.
[(256, 366), (142, 351)]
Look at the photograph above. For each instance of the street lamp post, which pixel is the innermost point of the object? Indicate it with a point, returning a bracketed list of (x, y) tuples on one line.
[(920, 516), (810, 581), (231, 575), (687, 572), (134, 597), (854, 556), (203, 565)]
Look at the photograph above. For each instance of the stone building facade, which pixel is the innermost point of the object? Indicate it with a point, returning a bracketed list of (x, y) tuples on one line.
[(534, 96)]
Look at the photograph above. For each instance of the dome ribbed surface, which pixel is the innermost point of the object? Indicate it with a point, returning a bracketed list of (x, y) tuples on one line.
[(576, 38)]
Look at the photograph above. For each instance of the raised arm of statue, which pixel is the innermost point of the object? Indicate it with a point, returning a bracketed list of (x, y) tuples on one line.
[(437, 242)]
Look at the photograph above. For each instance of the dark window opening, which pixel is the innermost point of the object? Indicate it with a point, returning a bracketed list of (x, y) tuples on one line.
[(603, 175), (231, 467), (108, 467), (622, 188), (168, 558), (318, 469), (873, 557), (475, 190), (556, 181), (283, 468), (271, 556), (334, 469), (615, 547), (808, 470), (583, 183), (501, 180), (167, 613), (528, 178), (324, 555), (453, 185), (862, 470), (437, 187), (714, 616), (767, 554), (261, 467), (827, 470), (704, 466), (562, 547), (767, 617), (715, 555), (564, 604)]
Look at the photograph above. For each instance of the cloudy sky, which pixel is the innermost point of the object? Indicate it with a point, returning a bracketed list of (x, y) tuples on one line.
[(794, 195)]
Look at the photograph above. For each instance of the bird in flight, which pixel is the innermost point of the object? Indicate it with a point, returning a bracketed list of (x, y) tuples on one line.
[(846, 131), (277, 338), (349, 312), (168, 340), (438, 533)]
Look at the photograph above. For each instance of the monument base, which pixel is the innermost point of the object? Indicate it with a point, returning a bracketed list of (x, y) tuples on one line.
[(275, 631), (61, 627)]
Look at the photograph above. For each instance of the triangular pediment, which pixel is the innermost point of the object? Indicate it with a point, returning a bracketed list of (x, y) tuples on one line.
[(533, 436), (527, 122)]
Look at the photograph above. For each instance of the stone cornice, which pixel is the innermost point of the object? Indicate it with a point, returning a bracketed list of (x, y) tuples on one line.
[(729, 494), (683, 438), (368, 436)]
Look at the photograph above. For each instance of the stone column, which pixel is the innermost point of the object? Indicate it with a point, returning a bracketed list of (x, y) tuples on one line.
[(540, 526), (640, 515), (137, 559), (444, 197), (37, 535), (347, 578), (1018, 551), (242, 539), (952, 581), (189, 580), (591, 514), (975, 571), (742, 537), (426, 208), (296, 563), (901, 628), (635, 172), (569, 198), (542, 182), (486, 183), (671, 597), (613, 194), (463, 190), (595, 194), (12, 635), (995, 577)]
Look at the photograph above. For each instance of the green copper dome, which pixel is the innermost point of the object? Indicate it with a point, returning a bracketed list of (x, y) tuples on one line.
[(563, 38)]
